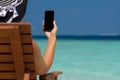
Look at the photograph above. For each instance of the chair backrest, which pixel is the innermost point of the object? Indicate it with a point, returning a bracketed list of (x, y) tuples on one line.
[(16, 51)]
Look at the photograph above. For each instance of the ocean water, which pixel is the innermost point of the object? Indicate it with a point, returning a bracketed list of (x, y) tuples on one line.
[(86, 59)]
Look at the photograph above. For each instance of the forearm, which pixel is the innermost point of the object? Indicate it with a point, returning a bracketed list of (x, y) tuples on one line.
[(40, 65), (49, 51)]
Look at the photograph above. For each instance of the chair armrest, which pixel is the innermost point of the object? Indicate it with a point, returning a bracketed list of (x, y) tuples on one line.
[(50, 76)]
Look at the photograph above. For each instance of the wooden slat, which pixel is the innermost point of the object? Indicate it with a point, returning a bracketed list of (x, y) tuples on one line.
[(28, 58), (6, 30), (5, 27), (7, 49), (24, 27), (11, 75), (24, 39), (30, 66), (14, 23), (27, 48), (7, 75), (4, 40), (6, 67), (8, 58), (10, 67), (4, 33)]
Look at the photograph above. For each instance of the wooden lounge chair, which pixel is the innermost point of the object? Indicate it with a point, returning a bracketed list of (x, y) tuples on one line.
[(16, 53)]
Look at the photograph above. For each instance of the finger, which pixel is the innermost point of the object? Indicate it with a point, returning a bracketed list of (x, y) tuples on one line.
[(43, 26), (54, 23)]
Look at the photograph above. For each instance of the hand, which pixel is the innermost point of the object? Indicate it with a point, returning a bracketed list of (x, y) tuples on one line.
[(53, 31)]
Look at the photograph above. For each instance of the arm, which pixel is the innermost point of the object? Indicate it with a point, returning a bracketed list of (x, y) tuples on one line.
[(43, 63), (50, 48)]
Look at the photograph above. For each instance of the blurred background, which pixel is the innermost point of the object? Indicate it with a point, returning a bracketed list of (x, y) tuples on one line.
[(91, 52), (77, 17)]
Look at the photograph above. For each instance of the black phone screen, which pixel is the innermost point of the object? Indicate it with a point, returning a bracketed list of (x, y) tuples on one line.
[(49, 18)]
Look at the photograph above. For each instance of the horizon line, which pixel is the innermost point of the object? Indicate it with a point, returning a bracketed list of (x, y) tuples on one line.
[(82, 37)]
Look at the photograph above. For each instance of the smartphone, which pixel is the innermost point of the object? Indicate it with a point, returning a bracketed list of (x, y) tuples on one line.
[(48, 20)]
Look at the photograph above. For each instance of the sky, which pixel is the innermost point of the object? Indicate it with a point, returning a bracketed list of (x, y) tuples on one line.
[(77, 17)]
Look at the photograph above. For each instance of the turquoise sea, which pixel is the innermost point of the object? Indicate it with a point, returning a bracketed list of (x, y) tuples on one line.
[(86, 59)]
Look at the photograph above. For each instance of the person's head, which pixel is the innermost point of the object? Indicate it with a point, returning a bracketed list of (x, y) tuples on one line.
[(12, 10)]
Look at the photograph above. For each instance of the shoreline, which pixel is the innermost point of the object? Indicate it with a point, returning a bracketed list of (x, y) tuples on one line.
[(83, 37)]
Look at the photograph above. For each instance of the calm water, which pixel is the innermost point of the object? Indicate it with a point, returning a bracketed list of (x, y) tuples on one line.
[(86, 59)]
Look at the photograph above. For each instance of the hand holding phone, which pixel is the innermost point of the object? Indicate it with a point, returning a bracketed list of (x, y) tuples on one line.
[(48, 20)]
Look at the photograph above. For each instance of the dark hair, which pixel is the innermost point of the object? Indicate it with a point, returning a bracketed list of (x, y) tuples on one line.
[(21, 9)]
